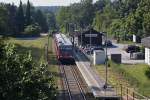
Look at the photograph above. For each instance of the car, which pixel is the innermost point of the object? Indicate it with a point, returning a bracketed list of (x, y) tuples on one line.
[(132, 49), (138, 56), (108, 43)]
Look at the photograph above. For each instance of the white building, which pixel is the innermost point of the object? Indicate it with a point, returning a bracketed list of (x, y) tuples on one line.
[(134, 38), (146, 43)]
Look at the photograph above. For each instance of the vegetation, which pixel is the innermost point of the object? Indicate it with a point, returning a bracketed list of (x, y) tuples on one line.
[(147, 72), (119, 18), (132, 76), (22, 78), (35, 45), (32, 30), (14, 20)]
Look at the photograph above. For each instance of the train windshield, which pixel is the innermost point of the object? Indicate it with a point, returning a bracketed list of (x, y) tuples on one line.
[(66, 49)]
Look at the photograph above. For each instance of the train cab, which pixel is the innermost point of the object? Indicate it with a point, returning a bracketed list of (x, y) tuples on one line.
[(64, 48)]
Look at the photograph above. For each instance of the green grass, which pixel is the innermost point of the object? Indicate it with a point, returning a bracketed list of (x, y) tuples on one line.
[(36, 46), (126, 42), (138, 72), (132, 76), (52, 60)]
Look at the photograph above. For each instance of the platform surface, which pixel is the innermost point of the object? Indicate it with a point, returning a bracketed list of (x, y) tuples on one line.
[(94, 81)]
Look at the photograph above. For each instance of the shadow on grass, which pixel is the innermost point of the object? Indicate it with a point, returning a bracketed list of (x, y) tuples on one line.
[(37, 53), (52, 59)]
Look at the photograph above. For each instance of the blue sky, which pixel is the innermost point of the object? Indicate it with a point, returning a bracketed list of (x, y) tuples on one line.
[(44, 2)]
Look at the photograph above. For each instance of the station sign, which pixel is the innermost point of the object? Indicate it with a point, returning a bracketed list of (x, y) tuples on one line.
[(90, 35)]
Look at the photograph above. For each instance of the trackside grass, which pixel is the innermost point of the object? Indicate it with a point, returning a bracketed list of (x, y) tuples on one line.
[(132, 76)]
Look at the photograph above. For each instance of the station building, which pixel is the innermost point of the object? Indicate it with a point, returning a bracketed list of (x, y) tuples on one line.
[(90, 36), (146, 43)]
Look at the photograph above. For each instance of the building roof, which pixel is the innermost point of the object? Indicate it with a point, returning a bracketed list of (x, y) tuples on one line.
[(92, 31), (146, 42), (88, 31)]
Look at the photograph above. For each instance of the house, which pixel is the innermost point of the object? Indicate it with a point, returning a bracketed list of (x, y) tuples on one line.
[(90, 36), (146, 43)]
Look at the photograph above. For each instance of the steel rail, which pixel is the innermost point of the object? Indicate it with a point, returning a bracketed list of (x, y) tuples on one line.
[(66, 82), (78, 82)]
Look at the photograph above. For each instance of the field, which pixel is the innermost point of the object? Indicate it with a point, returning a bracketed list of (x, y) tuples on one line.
[(132, 76), (37, 47)]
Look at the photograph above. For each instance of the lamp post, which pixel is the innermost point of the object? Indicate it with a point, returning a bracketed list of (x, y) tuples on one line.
[(106, 64), (90, 46)]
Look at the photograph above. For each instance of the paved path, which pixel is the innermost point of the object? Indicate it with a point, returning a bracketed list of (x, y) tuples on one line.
[(118, 49), (94, 82)]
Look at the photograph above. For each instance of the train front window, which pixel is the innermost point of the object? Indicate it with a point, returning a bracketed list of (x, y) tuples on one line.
[(66, 49)]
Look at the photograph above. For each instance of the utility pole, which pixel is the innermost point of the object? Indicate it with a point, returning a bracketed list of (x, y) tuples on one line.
[(106, 63), (90, 46)]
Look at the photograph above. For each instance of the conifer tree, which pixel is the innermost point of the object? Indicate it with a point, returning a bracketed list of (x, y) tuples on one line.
[(28, 13), (20, 20)]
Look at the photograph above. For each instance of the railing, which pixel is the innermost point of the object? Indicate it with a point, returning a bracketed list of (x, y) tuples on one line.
[(128, 94)]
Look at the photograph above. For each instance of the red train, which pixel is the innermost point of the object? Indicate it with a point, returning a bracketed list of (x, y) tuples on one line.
[(64, 48)]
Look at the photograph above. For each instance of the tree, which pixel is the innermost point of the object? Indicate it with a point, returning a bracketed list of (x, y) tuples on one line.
[(28, 14), (32, 30), (21, 78), (20, 20), (3, 19), (11, 18), (51, 20), (146, 24), (41, 20)]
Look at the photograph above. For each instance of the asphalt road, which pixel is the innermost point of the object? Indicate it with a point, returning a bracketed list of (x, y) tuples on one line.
[(118, 49)]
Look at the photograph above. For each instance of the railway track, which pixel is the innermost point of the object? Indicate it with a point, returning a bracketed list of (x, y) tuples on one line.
[(72, 86)]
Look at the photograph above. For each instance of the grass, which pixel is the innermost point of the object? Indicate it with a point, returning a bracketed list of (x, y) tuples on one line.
[(126, 42), (52, 60), (132, 76), (37, 48), (137, 72)]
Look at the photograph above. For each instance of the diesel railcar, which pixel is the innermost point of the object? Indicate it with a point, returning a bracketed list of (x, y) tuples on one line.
[(64, 48)]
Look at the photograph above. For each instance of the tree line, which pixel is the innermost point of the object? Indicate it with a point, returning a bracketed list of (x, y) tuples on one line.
[(24, 20), (119, 18)]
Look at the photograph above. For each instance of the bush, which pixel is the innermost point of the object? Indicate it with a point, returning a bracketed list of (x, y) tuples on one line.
[(32, 30), (21, 78), (147, 72)]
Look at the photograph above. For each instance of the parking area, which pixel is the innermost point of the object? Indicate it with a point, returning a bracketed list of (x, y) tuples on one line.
[(114, 49), (118, 49)]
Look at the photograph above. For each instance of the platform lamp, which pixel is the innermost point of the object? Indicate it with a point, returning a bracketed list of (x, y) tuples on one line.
[(106, 63), (90, 28)]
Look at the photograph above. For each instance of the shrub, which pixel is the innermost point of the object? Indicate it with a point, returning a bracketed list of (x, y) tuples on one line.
[(147, 72), (32, 30), (21, 78)]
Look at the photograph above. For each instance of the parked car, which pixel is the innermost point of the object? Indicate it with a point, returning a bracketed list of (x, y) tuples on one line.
[(108, 43), (132, 49), (138, 56)]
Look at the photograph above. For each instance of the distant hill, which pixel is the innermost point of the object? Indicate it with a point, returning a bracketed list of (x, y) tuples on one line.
[(53, 9)]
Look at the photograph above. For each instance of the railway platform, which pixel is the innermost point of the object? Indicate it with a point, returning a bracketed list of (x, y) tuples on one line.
[(94, 82)]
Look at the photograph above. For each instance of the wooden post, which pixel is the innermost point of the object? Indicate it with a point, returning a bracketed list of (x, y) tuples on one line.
[(133, 95), (127, 93), (121, 91)]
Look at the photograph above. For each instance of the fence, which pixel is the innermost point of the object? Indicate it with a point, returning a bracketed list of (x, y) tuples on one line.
[(128, 94)]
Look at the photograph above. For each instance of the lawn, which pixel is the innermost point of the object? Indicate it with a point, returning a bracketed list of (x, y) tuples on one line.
[(132, 76)]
